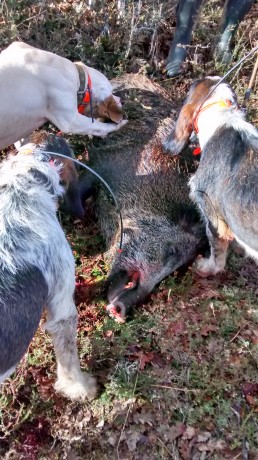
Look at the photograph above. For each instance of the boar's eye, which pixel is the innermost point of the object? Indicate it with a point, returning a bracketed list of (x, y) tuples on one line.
[(171, 251)]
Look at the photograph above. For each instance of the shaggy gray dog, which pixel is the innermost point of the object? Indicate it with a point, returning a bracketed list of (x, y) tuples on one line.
[(37, 270)]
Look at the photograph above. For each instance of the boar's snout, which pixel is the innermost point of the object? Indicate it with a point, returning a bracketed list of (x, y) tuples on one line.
[(117, 311), (124, 292)]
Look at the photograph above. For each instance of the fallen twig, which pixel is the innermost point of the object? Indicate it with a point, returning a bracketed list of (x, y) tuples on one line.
[(128, 411), (240, 330), (162, 443), (186, 390)]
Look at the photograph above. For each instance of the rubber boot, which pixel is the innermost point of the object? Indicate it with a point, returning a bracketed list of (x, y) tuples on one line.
[(233, 13), (186, 15)]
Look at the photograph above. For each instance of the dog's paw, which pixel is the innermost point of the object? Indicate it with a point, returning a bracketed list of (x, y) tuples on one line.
[(116, 126), (84, 388), (106, 128), (207, 267), (121, 124)]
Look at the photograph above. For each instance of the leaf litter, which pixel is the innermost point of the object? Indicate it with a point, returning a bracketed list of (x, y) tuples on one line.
[(179, 381)]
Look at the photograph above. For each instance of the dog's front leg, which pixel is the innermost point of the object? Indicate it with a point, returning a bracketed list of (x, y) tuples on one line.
[(80, 124), (217, 260), (71, 382)]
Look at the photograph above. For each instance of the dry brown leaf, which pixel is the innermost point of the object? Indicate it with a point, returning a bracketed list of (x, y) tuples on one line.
[(203, 437), (143, 417), (174, 432), (206, 329), (251, 400), (131, 440), (189, 432), (145, 358)]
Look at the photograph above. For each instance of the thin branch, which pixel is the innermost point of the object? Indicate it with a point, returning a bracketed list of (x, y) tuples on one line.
[(128, 411), (186, 390), (165, 447), (240, 330)]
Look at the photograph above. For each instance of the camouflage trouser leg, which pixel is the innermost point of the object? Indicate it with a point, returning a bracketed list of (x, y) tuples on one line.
[(233, 13), (186, 15)]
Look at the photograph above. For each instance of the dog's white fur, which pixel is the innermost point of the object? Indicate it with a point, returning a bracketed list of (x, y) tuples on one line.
[(225, 184), (36, 86), (210, 120), (45, 247)]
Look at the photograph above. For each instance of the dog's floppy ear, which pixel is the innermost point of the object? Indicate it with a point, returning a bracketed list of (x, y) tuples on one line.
[(179, 137), (110, 108)]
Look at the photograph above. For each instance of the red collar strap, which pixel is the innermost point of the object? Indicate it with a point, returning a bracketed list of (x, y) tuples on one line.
[(86, 98), (222, 103), (84, 91), (197, 151)]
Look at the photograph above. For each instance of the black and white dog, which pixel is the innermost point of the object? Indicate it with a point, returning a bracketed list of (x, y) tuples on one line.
[(37, 269), (225, 186)]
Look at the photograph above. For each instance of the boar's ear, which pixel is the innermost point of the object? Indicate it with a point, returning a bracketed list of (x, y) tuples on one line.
[(86, 186), (72, 202), (72, 199), (110, 108), (178, 138)]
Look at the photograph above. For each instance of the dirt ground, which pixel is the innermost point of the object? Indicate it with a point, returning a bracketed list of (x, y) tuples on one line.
[(179, 381)]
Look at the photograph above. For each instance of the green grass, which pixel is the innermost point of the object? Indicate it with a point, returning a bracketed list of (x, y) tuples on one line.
[(190, 354)]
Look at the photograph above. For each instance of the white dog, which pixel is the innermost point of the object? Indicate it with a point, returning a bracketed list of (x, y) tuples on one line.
[(36, 86)]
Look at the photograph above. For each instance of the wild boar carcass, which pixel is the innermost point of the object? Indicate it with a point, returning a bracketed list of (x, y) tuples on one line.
[(162, 230)]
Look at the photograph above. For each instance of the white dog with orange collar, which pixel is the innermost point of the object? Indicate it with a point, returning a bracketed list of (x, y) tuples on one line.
[(38, 86)]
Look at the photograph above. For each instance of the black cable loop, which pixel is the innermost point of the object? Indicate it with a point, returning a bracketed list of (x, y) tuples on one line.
[(38, 150)]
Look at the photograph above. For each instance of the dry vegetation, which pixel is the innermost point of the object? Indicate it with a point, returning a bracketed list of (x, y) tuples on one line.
[(180, 381)]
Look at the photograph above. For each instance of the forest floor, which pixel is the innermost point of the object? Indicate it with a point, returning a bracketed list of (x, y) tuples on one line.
[(179, 381)]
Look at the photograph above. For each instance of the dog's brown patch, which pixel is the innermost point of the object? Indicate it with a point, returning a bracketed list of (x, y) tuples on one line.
[(184, 125), (68, 173), (224, 231), (109, 108)]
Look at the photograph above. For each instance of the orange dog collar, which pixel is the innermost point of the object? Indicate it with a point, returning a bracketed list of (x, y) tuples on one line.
[(84, 91), (222, 103), (86, 98)]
